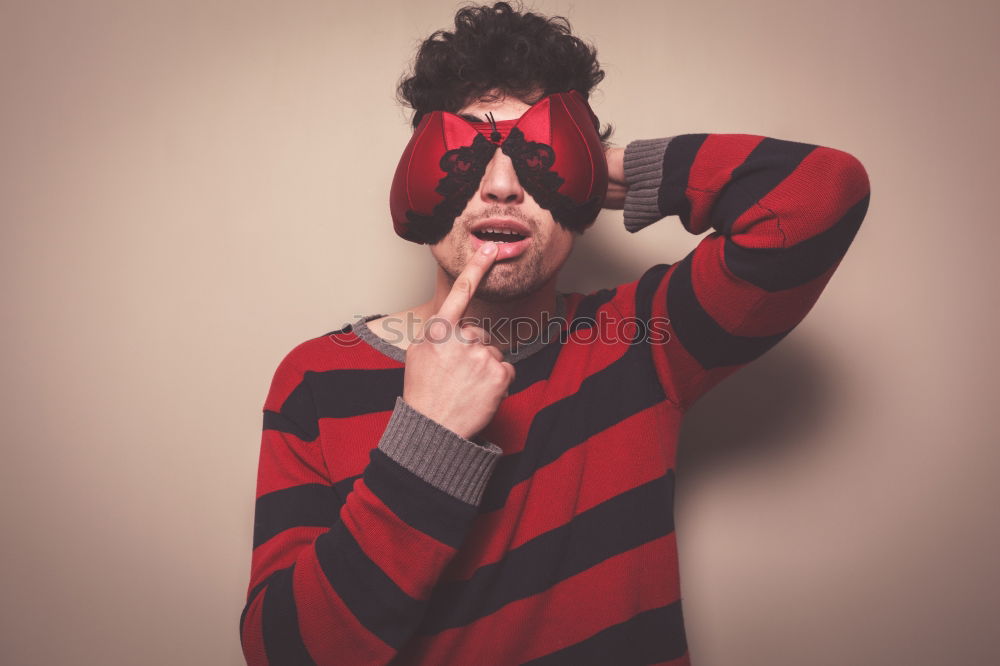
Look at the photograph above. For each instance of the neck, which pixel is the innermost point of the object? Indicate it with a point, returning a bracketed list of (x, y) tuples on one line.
[(503, 317)]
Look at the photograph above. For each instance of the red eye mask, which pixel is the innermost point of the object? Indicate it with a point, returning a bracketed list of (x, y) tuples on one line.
[(554, 147)]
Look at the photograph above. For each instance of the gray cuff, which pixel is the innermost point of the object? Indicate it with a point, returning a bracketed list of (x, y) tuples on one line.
[(643, 175), (437, 455)]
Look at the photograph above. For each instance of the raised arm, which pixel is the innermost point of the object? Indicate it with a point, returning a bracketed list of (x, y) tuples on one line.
[(782, 216)]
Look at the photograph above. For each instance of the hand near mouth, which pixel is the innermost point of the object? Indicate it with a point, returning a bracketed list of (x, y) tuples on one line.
[(452, 375)]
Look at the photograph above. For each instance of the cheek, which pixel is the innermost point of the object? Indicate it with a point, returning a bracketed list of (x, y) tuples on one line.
[(450, 248), (562, 245)]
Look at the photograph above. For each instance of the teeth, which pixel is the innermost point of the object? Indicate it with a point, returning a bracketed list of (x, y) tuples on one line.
[(503, 232)]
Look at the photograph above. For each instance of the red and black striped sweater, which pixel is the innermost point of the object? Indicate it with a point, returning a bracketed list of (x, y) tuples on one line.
[(381, 536)]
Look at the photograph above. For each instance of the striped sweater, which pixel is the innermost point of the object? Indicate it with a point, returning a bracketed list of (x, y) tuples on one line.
[(381, 536)]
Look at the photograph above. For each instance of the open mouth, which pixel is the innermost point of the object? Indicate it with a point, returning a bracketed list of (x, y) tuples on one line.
[(498, 235), (511, 236)]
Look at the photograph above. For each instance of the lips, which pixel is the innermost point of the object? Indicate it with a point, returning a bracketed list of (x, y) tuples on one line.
[(502, 226), (511, 236)]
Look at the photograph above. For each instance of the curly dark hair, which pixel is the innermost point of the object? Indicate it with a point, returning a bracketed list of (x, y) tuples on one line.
[(501, 48)]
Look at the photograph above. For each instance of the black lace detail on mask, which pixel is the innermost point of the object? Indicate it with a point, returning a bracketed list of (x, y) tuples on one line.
[(533, 164), (464, 168)]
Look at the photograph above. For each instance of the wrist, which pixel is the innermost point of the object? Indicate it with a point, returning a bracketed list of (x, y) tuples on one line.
[(617, 187), (428, 412)]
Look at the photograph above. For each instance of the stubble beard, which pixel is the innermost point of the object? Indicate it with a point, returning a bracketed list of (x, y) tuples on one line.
[(506, 280)]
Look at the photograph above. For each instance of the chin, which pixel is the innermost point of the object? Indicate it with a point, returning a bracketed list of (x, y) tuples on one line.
[(509, 282), (504, 283), (502, 295)]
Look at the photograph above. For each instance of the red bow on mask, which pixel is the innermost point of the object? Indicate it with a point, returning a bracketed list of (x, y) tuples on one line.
[(554, 147)]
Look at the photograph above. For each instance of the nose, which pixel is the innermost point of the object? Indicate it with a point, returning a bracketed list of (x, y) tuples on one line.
[(500, 184)]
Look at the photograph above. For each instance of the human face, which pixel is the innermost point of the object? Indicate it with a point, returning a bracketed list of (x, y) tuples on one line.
[(521, 267)]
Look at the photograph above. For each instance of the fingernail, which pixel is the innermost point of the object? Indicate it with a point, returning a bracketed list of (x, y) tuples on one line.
[(489, 247)]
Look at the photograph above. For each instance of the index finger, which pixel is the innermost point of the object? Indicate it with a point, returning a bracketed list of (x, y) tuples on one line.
[(466, 283)]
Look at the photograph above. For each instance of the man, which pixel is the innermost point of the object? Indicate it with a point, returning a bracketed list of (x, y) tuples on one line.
[(435, 487)]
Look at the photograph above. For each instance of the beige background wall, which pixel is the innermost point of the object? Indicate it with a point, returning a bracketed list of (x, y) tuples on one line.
[(189, 189)]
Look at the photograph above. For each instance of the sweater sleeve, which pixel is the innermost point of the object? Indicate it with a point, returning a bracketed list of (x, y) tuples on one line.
[(781, 214), (347, 581)]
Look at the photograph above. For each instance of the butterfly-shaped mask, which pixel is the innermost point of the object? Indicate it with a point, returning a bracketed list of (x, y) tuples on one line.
[(554, 147)]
